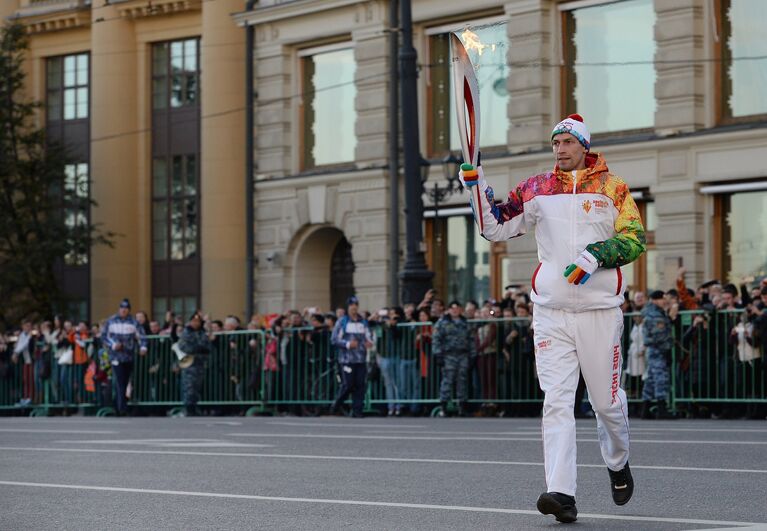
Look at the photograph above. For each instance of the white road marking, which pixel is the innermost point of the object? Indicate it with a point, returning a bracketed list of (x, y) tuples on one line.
[(63, 420), (467, 438), (537, 430), (349, 425), (218, 423), (703, 430), (374, 459), (173, 443), (472, 433), (366, 503), (79, 432)]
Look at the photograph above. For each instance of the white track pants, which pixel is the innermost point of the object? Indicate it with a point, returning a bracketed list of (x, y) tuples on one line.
[(565, 341)]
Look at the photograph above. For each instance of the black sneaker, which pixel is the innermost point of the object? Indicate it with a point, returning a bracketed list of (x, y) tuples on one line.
[(560, 505), (622, 485)]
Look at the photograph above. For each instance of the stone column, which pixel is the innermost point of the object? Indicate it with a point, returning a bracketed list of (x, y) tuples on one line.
[(680, 87), (531, 89), (222, 176), (272, 107), (681, 229), (114, 158), (371, 54), (370, 245)]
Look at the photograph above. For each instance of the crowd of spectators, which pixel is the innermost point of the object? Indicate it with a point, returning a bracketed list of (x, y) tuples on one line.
[(65, 362)]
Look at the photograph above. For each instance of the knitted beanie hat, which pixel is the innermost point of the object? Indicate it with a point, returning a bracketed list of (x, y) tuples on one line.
[(574, 125)]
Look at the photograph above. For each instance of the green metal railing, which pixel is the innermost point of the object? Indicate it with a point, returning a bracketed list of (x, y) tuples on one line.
[(296, 372)]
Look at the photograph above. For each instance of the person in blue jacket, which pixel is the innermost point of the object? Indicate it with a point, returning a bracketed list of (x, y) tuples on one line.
[(352, 339), (123, 337)]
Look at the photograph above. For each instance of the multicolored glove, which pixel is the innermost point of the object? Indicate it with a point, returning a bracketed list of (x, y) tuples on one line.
[(470, 175), (582, 269)]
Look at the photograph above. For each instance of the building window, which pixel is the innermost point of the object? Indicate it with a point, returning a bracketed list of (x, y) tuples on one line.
[(459, 257), (327, 111), (487, 44), (174, 207), (75, 310), (744, 236), (76, 198), (743, 52), (175, 73), (67, 87), (175, 166), (609, 75), (182, 307)]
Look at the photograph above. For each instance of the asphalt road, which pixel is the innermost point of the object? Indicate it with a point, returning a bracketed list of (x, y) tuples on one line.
[(373, 473)]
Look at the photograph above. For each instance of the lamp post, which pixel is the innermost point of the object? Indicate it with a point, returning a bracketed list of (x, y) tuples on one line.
[(416, 278)]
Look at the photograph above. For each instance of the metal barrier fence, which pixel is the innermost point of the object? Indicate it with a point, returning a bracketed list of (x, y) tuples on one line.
[(715, 364)]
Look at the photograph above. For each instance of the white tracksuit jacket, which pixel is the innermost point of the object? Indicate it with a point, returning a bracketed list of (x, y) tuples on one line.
[(575, 326)]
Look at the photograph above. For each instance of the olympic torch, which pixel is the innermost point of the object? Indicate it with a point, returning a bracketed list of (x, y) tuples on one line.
[(466, 90)]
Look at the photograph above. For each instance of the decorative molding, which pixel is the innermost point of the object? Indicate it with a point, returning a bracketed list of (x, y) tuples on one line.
[(148, 8), (43, 17), (280, 11)]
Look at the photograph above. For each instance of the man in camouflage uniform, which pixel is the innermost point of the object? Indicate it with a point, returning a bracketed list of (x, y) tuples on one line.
[(453, 343), (656, 334)]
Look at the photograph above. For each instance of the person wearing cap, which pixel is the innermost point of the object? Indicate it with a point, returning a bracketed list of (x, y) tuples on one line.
[(657, 340), (587, 226), (123, 337), (352, 339), (195, 342), (453, 345)]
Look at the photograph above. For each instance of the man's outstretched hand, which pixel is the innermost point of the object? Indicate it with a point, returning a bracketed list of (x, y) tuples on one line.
[(581, 270)]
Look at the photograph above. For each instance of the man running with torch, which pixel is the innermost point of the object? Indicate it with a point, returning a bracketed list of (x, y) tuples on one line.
[(586, 226)]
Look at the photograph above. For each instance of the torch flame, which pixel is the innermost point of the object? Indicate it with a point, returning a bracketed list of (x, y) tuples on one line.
[(472, 42)]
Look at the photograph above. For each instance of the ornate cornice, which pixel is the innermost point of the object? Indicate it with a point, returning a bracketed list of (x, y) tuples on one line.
[(277, 11), (54, 15), (57, 22), (150, 8)]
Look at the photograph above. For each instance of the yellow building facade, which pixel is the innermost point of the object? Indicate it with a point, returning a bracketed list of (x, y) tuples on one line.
[(150, 96)]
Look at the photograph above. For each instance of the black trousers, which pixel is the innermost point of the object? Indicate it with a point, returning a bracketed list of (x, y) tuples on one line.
[(122, 374), (353, 378)]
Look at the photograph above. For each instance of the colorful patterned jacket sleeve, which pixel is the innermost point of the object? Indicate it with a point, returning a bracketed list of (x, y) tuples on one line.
[(499, 222), (629, 242)]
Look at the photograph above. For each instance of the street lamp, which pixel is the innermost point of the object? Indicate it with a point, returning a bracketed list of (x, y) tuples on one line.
[(450, 166)]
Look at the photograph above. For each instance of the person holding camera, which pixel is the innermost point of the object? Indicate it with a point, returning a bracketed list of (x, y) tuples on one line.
[(352, 338), (22, 351)]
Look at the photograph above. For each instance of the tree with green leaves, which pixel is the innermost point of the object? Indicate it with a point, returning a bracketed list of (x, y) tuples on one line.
[(42, 219)]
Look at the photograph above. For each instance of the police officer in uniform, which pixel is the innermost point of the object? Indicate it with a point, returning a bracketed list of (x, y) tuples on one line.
[(194, 342), (656, 335), (453, 343)]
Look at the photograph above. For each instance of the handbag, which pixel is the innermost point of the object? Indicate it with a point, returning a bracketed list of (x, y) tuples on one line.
[(66, 356), (746, 351)]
